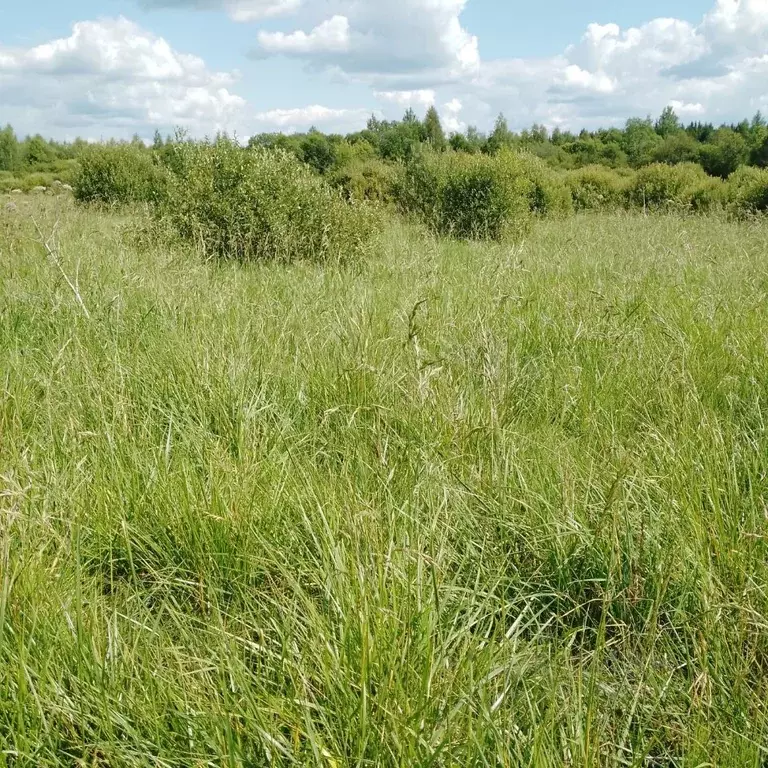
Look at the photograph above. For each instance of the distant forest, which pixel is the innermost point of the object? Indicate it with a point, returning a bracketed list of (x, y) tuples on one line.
[(720, 150)]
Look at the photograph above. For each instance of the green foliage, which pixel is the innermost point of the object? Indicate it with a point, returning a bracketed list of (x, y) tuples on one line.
[(708, 195), (119, 174), (469, 196), (36, 150), (668, 123), (640, 141), (725, 153), (592, 150), (262, 204), (549, 194), (677, 147), (471, 506), (501, 137), (596, 187), (433, 130), (9, 150), (747, 191), (665, 187), (318, 152), (366, 179), (759, 155), (400, 142)]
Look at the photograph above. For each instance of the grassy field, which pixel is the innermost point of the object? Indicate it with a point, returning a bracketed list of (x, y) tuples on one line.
[(460, 506)]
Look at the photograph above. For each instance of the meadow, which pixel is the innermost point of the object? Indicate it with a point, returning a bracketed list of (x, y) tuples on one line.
[(457, 504)]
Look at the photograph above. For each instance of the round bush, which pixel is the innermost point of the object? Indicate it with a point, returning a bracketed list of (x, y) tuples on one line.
[(366, 179), (119, 174), (747, 191), (468, 196), (708, 196), (262, 204), (666, 187), (596, 187), (549, 195)]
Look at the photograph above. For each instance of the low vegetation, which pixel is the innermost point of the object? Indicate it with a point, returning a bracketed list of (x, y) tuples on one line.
[(465, 504), (261, 204), (396, 449)]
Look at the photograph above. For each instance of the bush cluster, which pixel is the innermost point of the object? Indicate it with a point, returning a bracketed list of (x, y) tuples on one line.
[(261, 204), (266, 203), (596, 187), (470, 196), (119, 174), (366, 179), (748, 191), (665, 187)]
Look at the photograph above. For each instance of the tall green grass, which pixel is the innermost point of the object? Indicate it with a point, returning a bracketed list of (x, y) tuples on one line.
[(463, 505)]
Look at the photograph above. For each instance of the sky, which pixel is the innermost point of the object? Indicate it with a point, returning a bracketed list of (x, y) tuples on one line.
[(115, 68)]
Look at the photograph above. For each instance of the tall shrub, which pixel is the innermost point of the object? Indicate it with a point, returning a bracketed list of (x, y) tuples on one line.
[(468, 196), (596, 187), (747, 191), (118, 174), (548, 194), (666, 187), (261, 204)]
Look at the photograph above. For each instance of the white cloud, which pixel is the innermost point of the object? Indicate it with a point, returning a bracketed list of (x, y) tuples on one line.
[(451, 121), (112, 77), (406, 48), (239, 10), (423, 98), (302, 118), (712, 70), (332, 36), (382, 42), (686, 110)]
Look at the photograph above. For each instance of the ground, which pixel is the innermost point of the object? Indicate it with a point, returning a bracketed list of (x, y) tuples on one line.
[(459, 505)]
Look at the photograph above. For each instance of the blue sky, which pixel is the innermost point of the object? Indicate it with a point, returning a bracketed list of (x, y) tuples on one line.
[(117, 67)]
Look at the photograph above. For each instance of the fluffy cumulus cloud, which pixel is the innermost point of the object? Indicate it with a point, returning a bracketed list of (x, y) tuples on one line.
[(714, 69), (329, 37), (111, 77), (417, 53), (400, 41)]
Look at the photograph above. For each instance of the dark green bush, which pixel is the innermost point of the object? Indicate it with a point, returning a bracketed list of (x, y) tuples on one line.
[(747, 191), (119, 174), (469, 196), (666, 187), (596, 187), (549, 195), (261, 204)]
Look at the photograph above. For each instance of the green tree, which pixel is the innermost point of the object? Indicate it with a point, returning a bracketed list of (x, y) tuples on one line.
[(36, 151), (9, 149), (727, 151), (500, 137), (318, 152), (433, 129), (639, 141), (759, 156), (668, 123), (399, 140), (677, 148)]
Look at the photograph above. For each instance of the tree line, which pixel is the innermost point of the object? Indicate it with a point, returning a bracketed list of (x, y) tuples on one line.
[(720, 150)]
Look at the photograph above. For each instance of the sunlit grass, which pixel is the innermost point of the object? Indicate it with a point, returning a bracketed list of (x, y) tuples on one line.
[(463, 505)]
